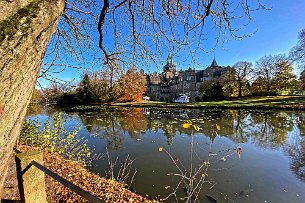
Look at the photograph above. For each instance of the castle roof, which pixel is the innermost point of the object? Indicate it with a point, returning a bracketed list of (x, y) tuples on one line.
[(214, 63)]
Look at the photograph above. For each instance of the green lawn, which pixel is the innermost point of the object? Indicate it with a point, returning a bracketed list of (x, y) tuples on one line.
[(270, 102)]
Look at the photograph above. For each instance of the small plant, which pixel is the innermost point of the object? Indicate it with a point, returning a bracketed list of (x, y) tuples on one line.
[(121, 172), (54, 138), (192, 178)]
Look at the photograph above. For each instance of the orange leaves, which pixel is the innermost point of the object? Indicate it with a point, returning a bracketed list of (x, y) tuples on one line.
[(132, 85), (106, 189)]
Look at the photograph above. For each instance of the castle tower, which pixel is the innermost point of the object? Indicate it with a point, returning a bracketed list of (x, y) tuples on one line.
[(170, 66)]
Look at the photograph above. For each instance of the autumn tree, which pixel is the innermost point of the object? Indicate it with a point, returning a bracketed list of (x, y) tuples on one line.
[(285, 79), (243, 69), (258, 86), (101, 86), (266, 69), (132, 86), (302, 80), (229, 83), (36, 96)]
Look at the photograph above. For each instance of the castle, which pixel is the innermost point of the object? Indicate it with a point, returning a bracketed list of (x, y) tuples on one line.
[(166, 86)]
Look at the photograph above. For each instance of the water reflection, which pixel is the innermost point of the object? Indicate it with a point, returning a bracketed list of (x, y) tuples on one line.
[(266, 130)]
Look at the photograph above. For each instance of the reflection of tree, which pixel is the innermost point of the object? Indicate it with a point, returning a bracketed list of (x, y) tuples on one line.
[(301, 123), (296, 150), (88, 120), (114, 135), (265, 128), (104, 124), (270, 129), (133, 121), (221, 118), (38, 108), (240, 126), (34, 109)]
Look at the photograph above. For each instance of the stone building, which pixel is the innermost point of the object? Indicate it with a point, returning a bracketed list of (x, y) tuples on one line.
[(166, 86)]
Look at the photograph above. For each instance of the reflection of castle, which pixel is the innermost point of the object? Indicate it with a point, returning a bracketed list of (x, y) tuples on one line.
[(167, 85)]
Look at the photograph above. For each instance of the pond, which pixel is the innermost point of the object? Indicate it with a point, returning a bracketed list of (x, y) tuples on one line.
[(240, 155)]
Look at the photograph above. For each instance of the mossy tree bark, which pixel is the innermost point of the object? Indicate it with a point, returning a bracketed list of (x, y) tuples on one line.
[(26, 27)]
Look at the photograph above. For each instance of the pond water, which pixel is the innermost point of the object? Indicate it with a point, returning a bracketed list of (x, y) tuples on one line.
[(247, 155)]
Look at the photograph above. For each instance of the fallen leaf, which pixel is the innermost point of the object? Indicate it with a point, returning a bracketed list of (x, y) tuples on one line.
[(196, 127), (218, 127), (186, 125)]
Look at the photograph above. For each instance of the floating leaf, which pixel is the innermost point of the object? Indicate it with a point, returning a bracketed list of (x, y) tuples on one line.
[(160, 149), (196, 127), (218, 127), (186, 125)]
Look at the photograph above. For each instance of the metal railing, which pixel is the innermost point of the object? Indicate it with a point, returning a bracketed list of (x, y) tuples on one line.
[(68, 184), (28, 180)]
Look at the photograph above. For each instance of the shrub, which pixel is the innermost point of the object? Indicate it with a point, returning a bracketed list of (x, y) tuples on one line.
[(54, 138)]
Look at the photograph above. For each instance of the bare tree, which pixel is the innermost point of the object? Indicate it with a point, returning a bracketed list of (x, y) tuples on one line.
[(243, 69), (297, 53), (266, 69), (141, 30)]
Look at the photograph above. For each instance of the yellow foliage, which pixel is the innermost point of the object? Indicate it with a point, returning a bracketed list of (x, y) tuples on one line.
[(218, 127), (196, 127), (186, 125)]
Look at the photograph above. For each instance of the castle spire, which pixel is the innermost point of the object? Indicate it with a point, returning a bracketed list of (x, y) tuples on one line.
[(170, 59), (214, 63)]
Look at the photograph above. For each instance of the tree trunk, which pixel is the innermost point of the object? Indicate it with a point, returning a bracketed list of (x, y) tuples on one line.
[(25, 30), (239, 89)]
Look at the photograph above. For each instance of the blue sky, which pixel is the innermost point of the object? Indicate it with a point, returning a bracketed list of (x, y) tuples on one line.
[(276, 33)]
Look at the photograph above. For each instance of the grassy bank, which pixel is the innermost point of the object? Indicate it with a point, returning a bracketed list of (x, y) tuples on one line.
[(266, 102)]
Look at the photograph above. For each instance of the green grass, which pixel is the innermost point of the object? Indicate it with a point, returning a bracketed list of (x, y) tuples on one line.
[(267, 102)]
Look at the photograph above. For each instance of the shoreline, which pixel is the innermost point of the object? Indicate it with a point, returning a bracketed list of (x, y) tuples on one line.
[(255, 103)]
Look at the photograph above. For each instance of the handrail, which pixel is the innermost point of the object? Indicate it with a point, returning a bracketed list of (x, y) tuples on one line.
[(68, 184)]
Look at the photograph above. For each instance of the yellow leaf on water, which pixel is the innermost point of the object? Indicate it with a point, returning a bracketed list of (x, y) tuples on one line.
[(160, 149), (196, 127), (238, 154), (217, 126), (186, 125)]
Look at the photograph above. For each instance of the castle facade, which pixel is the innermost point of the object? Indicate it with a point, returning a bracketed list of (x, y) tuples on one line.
[(166, 86)]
